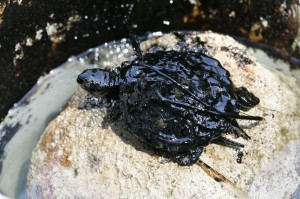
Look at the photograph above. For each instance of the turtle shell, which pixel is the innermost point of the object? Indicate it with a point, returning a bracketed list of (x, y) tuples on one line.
[(177, 101)]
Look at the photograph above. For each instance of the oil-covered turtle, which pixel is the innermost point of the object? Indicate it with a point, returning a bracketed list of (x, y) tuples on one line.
[(178, 102)]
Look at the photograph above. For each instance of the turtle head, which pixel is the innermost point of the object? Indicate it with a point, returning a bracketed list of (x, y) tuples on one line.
[(99, 81)]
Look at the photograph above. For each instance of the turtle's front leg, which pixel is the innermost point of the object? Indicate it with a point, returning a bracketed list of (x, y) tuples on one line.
[(91, 102)]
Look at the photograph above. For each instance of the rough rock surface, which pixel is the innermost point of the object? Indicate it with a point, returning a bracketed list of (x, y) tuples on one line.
[(79, 157)]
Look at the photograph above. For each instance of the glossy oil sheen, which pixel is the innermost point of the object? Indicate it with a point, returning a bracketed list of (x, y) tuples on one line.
[(178, 102)]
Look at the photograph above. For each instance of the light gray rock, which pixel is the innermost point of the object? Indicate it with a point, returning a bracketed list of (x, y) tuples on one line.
[(77, 157)]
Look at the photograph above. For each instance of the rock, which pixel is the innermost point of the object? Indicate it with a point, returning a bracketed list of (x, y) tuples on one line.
[(79, 156)]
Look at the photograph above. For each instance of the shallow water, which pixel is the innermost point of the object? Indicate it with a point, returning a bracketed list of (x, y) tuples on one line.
[(24, 124)]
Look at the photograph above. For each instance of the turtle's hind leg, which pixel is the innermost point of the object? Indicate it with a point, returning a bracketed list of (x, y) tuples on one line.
[(190, 157)]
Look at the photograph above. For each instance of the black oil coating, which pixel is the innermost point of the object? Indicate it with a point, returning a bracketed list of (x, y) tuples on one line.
[(175, 101)]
